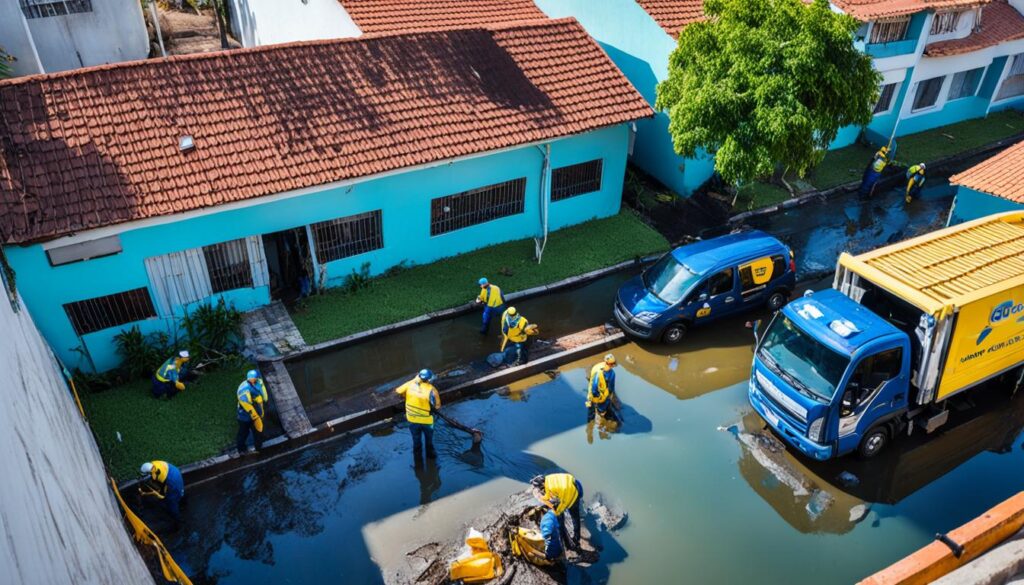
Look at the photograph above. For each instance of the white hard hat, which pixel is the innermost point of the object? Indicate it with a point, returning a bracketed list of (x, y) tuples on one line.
[(183, 354), (146, 469)]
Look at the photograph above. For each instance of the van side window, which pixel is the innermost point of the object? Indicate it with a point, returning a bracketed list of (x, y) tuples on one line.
[(778, 266), (721, 283)]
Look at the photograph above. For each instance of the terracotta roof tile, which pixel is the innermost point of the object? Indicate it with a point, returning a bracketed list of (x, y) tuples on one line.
[(372, 16), (99, 146), (1002, 175), (866, 10), (1000, 23), (673, 15)]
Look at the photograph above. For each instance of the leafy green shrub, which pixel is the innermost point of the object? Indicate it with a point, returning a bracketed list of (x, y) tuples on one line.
[(213, 332), (357, 281), (140, 353)]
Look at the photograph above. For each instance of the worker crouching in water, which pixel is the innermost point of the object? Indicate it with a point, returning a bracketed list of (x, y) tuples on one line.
[(915, 182), (163, 481), (252, 399), (493, 301), (169, 378), (874, 172), (515, 329), (601, 397), (421, 399), (563, 493)]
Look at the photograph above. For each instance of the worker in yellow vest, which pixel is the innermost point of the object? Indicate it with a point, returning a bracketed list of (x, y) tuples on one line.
[(567, 491), (163, 481), (874, 171), (515, 329), (421, 400), (915, 182), (252, 400), (493, 301), (169, 378), (601, 396)]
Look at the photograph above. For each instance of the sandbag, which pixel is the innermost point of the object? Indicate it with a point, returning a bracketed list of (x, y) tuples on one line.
[(476, 563)]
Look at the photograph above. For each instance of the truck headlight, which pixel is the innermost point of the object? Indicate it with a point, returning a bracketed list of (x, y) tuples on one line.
[(815, 432), (647, 317)]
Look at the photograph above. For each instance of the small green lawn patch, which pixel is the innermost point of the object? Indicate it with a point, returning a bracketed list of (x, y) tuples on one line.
[(195, 424), (757, 195), (452, 281), (841, 166), (932, 145)]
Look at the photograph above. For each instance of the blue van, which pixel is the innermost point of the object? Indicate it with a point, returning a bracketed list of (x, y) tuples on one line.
[(704, 281)]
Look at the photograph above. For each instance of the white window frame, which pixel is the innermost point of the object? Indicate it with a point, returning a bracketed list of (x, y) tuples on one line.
[(33, 9), (938, 94), (900, 27), (1013, 68), (977, 86), (892, 99)]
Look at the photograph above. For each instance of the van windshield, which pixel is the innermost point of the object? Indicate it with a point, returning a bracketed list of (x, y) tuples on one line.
[(802, 360), (669, 279)]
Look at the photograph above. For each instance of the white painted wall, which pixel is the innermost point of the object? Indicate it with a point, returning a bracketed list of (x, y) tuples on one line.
[(964, 26), (114, 31), (16, 40), (58, 519), (268, 22)]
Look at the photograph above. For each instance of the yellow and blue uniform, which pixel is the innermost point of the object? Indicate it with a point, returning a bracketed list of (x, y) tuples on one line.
[(167, 378), (494, 304), (513, 327), (874, 171), (252, 398), (915, 181), (569, 492), (421, 399), (551, 529), (166, 484), (601, 391)]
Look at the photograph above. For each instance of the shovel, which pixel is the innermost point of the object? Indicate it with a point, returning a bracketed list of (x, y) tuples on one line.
[(477, 434)]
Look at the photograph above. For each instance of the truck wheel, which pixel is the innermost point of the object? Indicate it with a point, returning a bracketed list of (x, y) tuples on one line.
[(674, 333), (873, 442), (777, 300)]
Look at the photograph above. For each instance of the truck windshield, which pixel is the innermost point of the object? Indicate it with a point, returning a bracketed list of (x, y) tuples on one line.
[(801, 359), (669, 279)]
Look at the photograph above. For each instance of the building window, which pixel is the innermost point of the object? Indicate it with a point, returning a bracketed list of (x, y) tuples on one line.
[(84, 250), (965, 83), (576, 179), (927, 93), (945, 23), (888, 31), (348, 236), (887, 93), (1013, 85), (45, 8), (481, 205), (228, 265), (110, 311)]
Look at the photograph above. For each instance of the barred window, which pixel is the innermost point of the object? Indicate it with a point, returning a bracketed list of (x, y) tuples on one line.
[(110, 310), (888, 31), (45, 8), (885, 98), (454, 212), (945, 22), (228, 265), (576, 179), (348, 236)]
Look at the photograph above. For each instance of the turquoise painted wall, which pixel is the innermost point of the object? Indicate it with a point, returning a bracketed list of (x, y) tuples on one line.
[(403, 198), (970, 204), (640, 48)]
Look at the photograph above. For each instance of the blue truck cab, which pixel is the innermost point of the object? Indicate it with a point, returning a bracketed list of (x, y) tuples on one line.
[(831, 377), (705, 281)]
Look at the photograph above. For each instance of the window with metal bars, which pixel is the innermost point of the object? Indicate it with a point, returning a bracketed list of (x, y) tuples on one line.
[(945, 23), (576, 179), (888, 31), (476, 206), (884, 103), (227, 263), (348, 236), (1013, 85), (46, 8), (110, 311)]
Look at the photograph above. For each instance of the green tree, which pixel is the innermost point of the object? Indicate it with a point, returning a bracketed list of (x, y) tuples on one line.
[(5, 64), (765, 86)]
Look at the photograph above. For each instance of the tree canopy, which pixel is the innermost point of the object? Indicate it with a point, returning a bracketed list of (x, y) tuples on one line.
[(763, 84)]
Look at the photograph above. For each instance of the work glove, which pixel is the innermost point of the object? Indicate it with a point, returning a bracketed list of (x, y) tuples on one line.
[(179, 386), (257, 423)]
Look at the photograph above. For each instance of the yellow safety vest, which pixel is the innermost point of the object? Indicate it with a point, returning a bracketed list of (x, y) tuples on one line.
[(491, 296), (417, 401), (515, 330), (166, 372), (880, 163), (602, 384), (562, 485)]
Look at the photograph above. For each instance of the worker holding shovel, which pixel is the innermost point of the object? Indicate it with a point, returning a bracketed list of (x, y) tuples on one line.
[(601, 396), (517, 330)]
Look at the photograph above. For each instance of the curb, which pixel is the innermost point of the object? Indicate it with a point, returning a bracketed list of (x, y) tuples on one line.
[(885, 181)]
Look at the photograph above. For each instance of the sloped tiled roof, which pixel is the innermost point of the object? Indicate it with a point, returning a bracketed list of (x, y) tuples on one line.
[(99, 146), (866, 10), (372, 16), (1000, 23), (1002, 175), (673, 15)]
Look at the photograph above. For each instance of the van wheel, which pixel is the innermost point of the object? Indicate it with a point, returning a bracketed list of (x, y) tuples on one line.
[(674, 333), (777, 300), (873, 443)]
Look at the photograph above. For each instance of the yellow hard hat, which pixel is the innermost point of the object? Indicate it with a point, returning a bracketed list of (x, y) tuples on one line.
[(511, 310), (609, 359)]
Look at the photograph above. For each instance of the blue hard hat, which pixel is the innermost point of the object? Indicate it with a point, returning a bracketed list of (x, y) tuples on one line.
[(252, 374), (426, 374), (482, 282)]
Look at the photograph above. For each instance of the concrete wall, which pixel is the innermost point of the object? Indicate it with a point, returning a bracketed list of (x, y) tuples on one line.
[(403, 198), (114, 31), (970, 204), (59, 521), (16, 40), (267, 22)]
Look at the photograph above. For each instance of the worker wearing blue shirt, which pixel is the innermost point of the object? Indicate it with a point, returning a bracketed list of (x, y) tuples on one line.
[(551, 530), (874, 171), (163, 481), (493, 301), (915, 182), (601, 390), (168, 378), (252, 399)]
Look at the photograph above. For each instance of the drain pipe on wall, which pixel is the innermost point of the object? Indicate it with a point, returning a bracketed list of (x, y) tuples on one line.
[(545, 200), (156, 27)]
